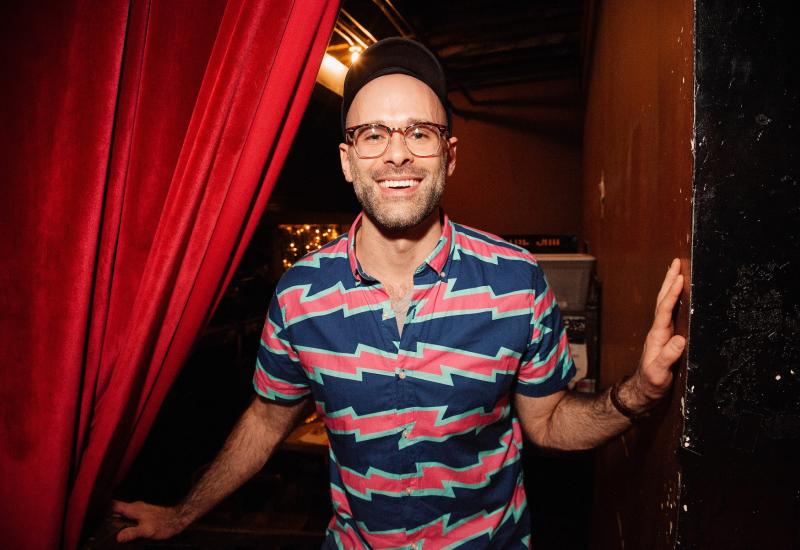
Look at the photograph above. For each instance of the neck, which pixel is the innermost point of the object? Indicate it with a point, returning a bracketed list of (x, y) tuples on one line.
[(393, 257)]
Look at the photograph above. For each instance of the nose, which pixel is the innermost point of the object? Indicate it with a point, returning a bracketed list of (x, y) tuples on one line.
[(397, 153)]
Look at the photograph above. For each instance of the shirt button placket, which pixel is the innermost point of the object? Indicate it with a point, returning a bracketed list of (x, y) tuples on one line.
[(405, 392)]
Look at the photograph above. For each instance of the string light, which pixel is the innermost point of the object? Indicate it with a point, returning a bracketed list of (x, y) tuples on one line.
[(300, 239)]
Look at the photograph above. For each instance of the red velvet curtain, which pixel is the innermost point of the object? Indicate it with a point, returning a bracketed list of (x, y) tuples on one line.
[(140, 141)]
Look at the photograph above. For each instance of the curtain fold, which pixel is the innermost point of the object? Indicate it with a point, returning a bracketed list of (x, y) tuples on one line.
[(143, 141)]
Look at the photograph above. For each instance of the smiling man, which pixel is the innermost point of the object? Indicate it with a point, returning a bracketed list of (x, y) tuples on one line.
[(430, 349)]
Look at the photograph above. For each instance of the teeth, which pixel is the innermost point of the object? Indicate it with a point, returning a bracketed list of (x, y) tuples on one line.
[(394, 184)]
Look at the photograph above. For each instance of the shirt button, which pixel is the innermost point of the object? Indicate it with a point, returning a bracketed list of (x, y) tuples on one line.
[(414, 546), (407, 433), (409, 490), (443, 274), (402, 374)]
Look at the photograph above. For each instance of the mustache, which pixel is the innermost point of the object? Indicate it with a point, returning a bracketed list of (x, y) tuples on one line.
[(401, 173)]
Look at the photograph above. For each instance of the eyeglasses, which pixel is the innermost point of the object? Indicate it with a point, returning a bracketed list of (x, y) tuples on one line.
[(423, 139)]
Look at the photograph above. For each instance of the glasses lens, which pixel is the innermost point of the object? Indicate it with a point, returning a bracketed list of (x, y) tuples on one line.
[(371, 141), (422, 140)]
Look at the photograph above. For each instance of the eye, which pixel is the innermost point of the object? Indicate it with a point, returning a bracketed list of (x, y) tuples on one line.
[(420, 133), (371, 135)]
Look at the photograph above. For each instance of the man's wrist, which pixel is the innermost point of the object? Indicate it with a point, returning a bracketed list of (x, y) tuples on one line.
[(183, 516), (628, 399)]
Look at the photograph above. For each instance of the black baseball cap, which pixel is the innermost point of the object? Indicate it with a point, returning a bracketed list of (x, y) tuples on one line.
[(396, 55)]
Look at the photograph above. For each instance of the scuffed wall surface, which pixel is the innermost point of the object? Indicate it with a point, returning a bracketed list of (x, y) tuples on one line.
[(637, 173), (741, 453)]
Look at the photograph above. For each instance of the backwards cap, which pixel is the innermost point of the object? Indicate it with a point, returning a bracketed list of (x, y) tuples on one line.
[(395, 55)]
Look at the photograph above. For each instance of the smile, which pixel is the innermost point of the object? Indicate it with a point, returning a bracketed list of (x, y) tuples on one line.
[(398, 184)]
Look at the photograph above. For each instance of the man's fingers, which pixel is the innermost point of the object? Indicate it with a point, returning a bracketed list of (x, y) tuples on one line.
[(135, 532), (666, 305), (673, 271), (130, 510), (122, 508), (670, 353), (135, 511), (128, 534), (673, 293)]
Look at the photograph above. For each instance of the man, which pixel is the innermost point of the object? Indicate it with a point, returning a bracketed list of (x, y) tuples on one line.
[(430, 349)]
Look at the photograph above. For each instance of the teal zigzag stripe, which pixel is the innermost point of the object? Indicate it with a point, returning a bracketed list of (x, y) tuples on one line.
[(316, 372), (403, 443), (495, 256), (338, 287), (451, 294), (315, 257), (448, 486), (516, 513)]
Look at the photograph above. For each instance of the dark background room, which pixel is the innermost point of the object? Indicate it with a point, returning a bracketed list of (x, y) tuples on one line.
[(608, 137)]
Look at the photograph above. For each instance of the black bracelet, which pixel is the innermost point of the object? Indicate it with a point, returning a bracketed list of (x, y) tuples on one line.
[(617, 402)]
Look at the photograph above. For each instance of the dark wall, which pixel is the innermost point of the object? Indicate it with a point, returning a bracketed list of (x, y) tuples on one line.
[(518, 164), (637, 170), (311, 187), (518, 167), (741, 454)]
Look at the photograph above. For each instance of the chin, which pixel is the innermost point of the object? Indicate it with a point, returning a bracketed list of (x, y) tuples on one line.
[(398, 216), (397, 222), (395, 225)]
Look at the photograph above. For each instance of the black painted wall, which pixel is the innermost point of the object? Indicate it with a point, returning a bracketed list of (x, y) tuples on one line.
[(740, 457)]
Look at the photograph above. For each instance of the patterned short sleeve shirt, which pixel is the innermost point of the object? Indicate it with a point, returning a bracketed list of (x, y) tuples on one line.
[(424, 442)]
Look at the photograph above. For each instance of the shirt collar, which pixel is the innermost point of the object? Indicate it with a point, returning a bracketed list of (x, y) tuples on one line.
[(437, 259)]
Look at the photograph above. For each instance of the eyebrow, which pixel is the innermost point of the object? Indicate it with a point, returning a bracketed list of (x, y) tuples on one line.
[(408, 122)]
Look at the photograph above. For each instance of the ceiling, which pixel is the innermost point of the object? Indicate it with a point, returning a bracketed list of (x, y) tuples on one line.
[(481, 43)]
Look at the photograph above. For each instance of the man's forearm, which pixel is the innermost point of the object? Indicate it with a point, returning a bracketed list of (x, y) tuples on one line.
[(573, 421), (584, 421), (580, 421), (260, 429), (254, 438)]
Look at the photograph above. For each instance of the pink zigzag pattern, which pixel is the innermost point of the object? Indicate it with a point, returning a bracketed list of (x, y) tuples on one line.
[(349, 365), (271, 340), (264, 383), (435, 476), (429, 362), (530, 373), (439, 534), (488, 250), (296, 301), (540, 308), (424, 423), (543, 305), (477, 301), (341, 506)]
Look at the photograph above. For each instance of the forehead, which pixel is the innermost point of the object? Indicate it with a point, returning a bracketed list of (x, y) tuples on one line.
[(395, 99)]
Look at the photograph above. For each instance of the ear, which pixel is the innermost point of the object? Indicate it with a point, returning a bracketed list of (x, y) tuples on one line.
[(344, 158), (451, 155)]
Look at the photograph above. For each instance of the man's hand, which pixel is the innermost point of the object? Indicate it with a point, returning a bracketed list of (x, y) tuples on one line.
[(662, 347), (573, 421), (261, 428), (152, 522)]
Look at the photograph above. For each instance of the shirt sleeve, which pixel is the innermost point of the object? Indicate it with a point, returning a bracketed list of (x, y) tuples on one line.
[(547, 365), (279, 375)]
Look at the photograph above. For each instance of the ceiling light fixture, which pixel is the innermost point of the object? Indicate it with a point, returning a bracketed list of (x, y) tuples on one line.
[(355, 51), (331, 74)]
